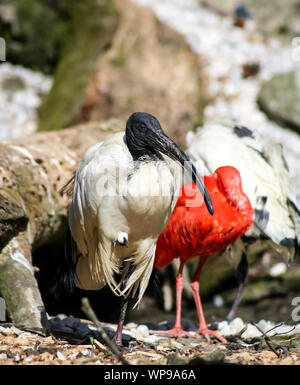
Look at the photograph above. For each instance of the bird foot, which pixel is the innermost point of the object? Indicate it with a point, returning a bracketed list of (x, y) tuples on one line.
[(207, 332), (119, 345), (176, 332)]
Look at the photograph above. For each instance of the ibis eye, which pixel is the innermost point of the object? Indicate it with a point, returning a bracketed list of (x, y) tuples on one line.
[(142, 126)]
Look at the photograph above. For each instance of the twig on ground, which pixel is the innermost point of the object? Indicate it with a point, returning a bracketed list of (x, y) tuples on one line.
[(87, 309), (278, 350), (280, 334)]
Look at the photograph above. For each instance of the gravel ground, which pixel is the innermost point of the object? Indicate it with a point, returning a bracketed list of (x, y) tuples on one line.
[(23, 347)]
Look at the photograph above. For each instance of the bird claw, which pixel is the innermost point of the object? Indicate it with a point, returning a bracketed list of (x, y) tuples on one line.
[(175, 332), (178, 332), (207, 332)]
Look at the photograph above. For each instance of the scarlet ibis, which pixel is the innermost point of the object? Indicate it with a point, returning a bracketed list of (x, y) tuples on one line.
[(192, 232), (124, 193), (266, 182)]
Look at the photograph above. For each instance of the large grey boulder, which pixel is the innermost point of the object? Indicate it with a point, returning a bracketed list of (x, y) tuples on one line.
[(279, 98)]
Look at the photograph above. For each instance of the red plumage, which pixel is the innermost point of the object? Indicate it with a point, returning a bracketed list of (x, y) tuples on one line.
[(192, 231)]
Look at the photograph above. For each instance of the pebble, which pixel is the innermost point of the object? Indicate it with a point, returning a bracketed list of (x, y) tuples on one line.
[(86, 353), (218, 301), (137, 331), (225, 328), (60, 356), (141, 332), (270, 328), (235, 327), (10, 330), (278, 269), (17, 357)]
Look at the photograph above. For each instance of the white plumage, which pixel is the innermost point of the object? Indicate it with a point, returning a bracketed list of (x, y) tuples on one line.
[(125, 190), (107, 207)]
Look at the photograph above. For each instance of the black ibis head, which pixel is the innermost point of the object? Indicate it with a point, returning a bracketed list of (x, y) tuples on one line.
[(145, 138)]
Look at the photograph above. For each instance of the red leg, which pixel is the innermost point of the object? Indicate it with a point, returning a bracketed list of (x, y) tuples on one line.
[(203, 329), (177, 330)]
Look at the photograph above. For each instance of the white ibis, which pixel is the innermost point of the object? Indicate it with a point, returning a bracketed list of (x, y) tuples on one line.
[(266, 182), (124, 192)]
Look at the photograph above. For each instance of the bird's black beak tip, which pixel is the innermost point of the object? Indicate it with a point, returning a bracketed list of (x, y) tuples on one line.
[(208, 202), (210, 208)]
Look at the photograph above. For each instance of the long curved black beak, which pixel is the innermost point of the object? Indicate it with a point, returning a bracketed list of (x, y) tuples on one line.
[(166, 146)]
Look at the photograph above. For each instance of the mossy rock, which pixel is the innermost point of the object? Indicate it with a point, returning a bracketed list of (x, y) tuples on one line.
[(12, 219), (93, 26), (34, 31), (120, 59)]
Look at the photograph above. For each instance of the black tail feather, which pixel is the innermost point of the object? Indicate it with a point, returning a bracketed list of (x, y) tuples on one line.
[(64, 280)]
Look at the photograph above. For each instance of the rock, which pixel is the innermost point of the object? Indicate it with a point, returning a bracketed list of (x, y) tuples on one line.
[(218, 269), (143, 66), (33, 212), (17, 284), (218, 273), (257, 290), (278, 269), (279, 98), (34, 31), (232, 328), (213, 358), (174, 359), (94, 25)]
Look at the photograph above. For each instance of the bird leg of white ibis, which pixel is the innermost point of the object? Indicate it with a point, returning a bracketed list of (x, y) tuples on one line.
[(203, 329), (118, 336), (242, 271), (177, 330)]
